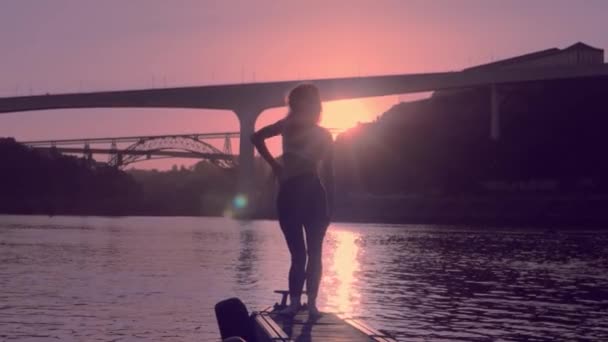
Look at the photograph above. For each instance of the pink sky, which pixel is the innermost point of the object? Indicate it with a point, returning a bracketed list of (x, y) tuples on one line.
[(71, 45)]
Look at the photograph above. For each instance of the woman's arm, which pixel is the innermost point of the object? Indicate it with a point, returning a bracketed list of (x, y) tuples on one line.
[(259, 141)]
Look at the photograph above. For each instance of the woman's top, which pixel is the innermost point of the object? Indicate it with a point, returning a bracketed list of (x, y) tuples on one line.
[(304, 146)]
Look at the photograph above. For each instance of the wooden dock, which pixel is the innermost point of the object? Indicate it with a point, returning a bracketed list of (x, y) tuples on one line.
[(235, 324), (330, 327)]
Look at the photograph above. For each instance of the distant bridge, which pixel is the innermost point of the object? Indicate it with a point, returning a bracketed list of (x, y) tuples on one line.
[(140, 148), (248, 101)]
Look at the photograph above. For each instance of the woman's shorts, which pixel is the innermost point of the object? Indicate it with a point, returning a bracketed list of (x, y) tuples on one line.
[(302, 200)]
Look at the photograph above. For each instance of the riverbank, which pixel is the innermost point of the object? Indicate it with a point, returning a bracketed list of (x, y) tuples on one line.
[(533, 211), (489, 210), (554, 210)]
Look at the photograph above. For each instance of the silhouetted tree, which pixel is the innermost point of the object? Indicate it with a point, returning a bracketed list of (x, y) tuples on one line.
[(51, 183)]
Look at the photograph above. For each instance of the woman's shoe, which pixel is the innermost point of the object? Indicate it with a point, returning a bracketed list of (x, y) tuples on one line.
[(314, 313), (290, 310)]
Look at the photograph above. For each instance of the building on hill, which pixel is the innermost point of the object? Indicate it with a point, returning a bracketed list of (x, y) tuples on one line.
[(575, 55), (578, 54)]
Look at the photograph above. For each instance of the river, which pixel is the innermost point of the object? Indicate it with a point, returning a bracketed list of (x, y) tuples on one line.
[(157, 279)]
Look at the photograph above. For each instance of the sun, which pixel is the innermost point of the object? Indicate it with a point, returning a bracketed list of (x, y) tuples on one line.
[(344, 114)]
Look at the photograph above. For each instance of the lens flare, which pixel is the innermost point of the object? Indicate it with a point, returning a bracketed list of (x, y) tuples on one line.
[(240, 201)]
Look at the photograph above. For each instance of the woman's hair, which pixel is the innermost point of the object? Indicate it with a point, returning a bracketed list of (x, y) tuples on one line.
[(304, 103)]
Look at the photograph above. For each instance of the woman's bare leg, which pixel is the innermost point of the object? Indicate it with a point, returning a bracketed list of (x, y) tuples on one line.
[(315, 233), (294, 237)]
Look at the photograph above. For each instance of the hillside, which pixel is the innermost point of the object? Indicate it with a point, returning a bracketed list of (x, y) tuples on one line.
[(552, 134)]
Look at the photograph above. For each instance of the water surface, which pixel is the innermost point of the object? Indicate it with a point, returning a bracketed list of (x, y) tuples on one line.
[(157, 279)]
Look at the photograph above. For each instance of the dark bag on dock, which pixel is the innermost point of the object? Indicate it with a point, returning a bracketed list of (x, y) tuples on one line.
[(233, 319)]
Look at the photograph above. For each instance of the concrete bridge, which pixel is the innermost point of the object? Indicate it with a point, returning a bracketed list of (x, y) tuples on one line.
[(248, 101)]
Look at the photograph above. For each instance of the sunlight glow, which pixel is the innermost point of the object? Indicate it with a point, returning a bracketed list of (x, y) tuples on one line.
[(343, 295), (344, 114)]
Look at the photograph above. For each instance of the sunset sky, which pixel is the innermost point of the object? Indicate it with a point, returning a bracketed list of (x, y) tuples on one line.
[(73, 45)]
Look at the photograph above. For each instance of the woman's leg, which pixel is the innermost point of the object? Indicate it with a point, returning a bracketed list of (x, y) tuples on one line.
[(315, 233), (297, 272)]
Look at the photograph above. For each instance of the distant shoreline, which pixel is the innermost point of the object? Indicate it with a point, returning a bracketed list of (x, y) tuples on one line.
[(491, 223), (574, 210)]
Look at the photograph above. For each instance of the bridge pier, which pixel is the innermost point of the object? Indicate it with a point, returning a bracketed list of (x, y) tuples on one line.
[(495, 99), (87, 152), (246, 173)]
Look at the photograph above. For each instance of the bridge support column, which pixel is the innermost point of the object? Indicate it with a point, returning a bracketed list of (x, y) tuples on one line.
[(495, 100), (246, 176), (87, 152)]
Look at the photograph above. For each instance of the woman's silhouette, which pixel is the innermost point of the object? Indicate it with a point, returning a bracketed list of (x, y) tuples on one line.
[(302, 202)]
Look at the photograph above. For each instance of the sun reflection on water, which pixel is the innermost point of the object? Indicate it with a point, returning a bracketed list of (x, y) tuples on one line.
[(339, 284)]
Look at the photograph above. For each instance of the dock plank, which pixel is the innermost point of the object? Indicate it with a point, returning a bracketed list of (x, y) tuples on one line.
[(329, 327)]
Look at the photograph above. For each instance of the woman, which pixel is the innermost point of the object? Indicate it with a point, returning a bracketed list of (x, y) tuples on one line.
[(302, 202)]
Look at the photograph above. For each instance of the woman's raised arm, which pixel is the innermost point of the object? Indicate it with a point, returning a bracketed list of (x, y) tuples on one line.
[(259, 141)]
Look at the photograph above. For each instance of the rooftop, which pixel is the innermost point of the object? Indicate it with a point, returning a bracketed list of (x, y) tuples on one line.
[(535, 55)]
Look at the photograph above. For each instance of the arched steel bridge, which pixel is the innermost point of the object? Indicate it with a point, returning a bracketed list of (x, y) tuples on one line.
[(123, 151)]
